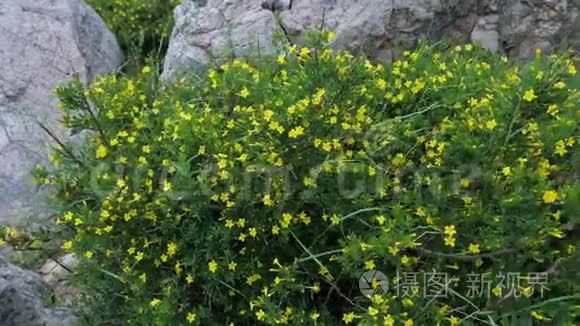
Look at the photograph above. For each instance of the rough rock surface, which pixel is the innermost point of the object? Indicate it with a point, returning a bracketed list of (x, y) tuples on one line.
[(21, 300), (379, 28), (42, 43), (219, 29), (56, 273)]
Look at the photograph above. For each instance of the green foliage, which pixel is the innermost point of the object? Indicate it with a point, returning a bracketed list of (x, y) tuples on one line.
[(142, 27), (260, 194)]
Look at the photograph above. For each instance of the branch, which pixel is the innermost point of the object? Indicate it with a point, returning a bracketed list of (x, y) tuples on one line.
[(63, 146), (430, 253)]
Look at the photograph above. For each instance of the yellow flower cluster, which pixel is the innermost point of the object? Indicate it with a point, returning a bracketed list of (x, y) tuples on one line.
[(263, 191)]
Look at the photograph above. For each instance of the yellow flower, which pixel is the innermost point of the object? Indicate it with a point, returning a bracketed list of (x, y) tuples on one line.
[(552, 110), (286, 220), (381, 84), (191, 317), (260, 314), (143, 278), (232, 266), (189, 279), (507, 171), (572, 69), (178, 268), (318, 97), (560, 148), (450, 235), (146, 70), (449, 241), (267, 200), (304, 218), (409, 322), (155, 303), (370, 264), (281, 59), (314, 315), (212, 266), (335, 219), (491, 124), (101, 152), (550, 196), (348, 318), (67, 245), (538, 316), (171, 249), (89, 254), (330, 36), (380, 219), (529, 95), (309, 182), (268, 115), (474, 248), (450, 230), (244, 93), (372, 311), (253, 232), (454, 320), (560, 85), (527, 291), (296, 132), (304, 52)]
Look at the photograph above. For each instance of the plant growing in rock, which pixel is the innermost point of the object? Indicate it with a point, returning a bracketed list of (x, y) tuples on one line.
[(142, 27), (261, 193)]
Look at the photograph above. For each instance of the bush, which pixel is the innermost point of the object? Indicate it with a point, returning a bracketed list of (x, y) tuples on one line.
[(260, 194), (142, 27)]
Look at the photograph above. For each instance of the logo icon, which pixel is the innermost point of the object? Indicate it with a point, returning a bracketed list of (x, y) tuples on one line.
[(372, 283)]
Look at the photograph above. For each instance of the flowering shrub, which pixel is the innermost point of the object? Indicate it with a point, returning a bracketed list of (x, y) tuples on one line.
[(140, 26), (262, 193)]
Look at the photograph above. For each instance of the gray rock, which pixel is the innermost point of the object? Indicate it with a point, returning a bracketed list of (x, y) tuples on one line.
[(21, 300), (485, 32), (56, 274), (380, 29), (217, 31), (42, 43), (525, 26)]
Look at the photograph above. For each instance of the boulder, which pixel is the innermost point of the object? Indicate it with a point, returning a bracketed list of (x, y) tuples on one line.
[(22, 294), (42, 43), (216, 31), (207, 31)]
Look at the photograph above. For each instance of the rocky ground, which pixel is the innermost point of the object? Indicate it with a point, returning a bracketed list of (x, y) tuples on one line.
[(23, 296)]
